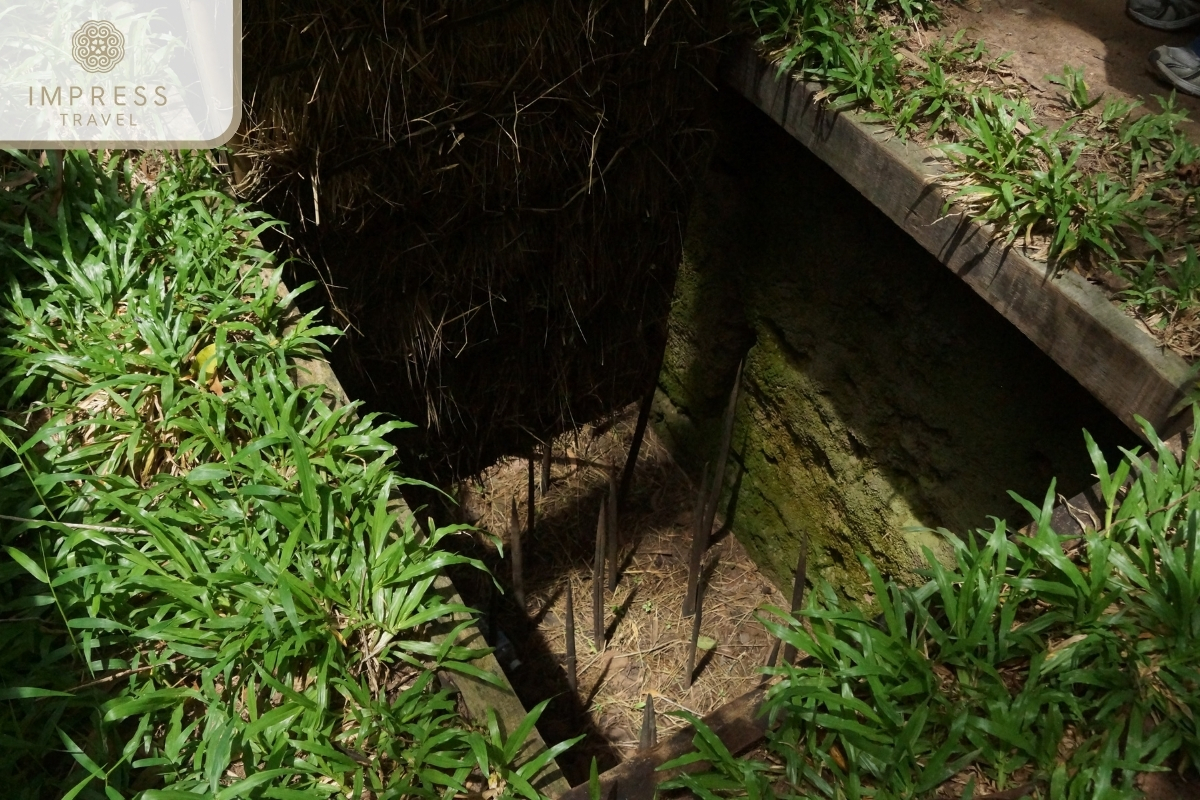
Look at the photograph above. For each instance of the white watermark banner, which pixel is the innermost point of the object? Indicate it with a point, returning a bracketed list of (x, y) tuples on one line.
[(119, 73)]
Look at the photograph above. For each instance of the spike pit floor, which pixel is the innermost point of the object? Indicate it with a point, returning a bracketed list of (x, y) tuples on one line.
[(647, 637)]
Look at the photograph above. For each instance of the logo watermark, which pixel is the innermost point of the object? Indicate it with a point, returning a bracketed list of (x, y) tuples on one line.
[(120, 73), (98, 46)]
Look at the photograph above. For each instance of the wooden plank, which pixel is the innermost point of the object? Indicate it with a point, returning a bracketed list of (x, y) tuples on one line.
[(1068, 318), (737, 723), (478, 695), (1084, 512), (1074, 517)]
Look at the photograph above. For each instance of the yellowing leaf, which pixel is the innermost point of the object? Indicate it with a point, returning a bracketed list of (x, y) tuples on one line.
[(205, 365), (705, 643)]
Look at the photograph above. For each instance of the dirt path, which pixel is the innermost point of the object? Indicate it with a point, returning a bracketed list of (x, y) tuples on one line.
[(1097, 35)]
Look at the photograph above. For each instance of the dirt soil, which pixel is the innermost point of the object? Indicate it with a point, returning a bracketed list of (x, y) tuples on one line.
[(648, 639), (1097, 35)]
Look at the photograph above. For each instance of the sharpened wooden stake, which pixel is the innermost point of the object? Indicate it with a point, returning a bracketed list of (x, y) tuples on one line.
[(598, 582), (493, 613), (639, 433), (547, 454), (614, 537), (691, 664), (514, 532), (714, 497), (529, 521), (572, 675), (649, 737), (789, 652), (699, 545), (772, 656), (709, 497)]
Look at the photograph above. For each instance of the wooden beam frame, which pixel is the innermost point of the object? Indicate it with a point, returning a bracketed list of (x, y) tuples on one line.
[(1068, 318)]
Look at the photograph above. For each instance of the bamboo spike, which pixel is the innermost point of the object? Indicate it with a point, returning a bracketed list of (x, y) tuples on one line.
[(649, 736), (598, 582), (614, 537), (691, 662), (572, 675), (493, 613), (547, 454), (789, 652), (710, 508), (514, 532), (639, 432), (529, 521), (773, 655), (699, 545)]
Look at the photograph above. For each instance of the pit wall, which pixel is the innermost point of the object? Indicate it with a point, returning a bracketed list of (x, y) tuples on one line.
[(881, 397)]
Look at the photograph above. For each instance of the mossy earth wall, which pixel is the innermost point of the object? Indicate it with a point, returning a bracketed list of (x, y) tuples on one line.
[(881, 397)]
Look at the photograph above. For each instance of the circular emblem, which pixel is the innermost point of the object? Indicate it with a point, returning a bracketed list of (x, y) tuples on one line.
[(97, 46)]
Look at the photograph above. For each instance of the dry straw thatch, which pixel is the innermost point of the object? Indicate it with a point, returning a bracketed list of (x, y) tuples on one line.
[(492, 192)]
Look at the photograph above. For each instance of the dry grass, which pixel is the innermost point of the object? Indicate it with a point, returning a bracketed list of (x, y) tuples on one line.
[(648, 641)]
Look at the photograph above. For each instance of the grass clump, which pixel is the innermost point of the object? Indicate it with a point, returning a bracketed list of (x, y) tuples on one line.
[(1087, 187), (205, 590), (848, 47), (1065, 668), (1096, 184)]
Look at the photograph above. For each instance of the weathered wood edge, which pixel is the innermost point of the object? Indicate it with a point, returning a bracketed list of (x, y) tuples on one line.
[(478, 695), (738, 724), (1068, 318), (1082, 514)]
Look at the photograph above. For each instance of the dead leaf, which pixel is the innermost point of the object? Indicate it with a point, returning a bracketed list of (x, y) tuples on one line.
[(1055, 649), (1189, 173)]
